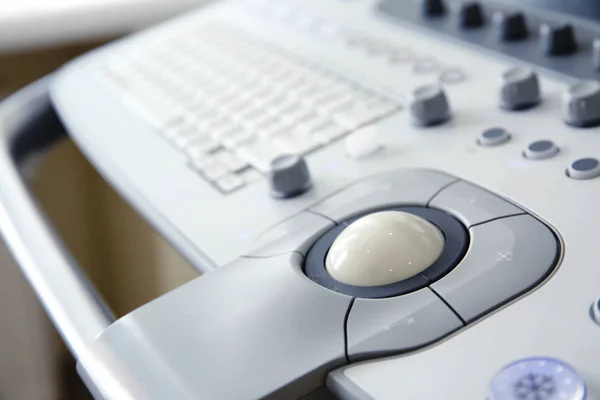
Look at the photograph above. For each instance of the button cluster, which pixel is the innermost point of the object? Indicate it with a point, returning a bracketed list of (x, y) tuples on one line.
[(531, 37)]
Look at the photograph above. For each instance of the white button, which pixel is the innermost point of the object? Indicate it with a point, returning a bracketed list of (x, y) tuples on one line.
[(363, 142), (383, 248), (229, 183)]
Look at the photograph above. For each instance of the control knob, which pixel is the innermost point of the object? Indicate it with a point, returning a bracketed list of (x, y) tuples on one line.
[(511, 26), (558, 40), (433, 8), (289, 176), (429, 105), (470, 15), (581, 104), (520, 89)]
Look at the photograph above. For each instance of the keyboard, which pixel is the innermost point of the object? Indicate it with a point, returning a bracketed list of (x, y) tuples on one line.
[(232, 104)]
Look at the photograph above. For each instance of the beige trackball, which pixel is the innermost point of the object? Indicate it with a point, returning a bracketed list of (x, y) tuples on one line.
[(384, 248)]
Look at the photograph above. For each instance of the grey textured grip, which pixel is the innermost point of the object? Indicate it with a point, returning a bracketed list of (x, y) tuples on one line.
[(289, 176), (520, 89), (429, 105), (581, 104)]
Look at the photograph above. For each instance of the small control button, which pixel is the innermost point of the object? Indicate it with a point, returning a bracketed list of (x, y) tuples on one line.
[(506, 257), (364, 142), (584, 168), (415, 187), (294, 234), (289, 176), (470, 15), (541, 149), (537, 378), (473, 205), (558, 40), (433, 8), (520, 89), (493, 137), (383, 248), (581, 104), (381, 327), (429, 105), (511, 26)]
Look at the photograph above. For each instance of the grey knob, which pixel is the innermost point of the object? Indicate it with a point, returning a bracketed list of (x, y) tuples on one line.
[(429, 105), (289, 176), (558, 40), (520, 89), (581, 104)]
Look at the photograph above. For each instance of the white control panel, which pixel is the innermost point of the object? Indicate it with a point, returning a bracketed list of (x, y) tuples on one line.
[(395, 199)]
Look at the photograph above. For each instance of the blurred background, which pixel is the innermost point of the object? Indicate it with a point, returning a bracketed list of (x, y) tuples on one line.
[(121, 254)]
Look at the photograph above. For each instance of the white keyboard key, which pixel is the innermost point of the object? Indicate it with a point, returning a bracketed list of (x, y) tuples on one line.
[(229, 183), (297, 144), (273, 130), (197, 147), (250, 175), (215, 171), (314, 122), (204, 162), (358, 114), (297, 115), (330, 133), (232, 162), (237, 138), (222, 129), (259, 155)]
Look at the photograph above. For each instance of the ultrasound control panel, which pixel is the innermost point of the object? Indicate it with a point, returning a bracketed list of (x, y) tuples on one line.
[(386, 199)]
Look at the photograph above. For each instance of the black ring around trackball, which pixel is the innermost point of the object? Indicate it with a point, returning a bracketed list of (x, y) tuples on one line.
[(455, 246)]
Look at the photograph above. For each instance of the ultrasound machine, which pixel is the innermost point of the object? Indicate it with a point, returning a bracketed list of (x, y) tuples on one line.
[(386, 200)]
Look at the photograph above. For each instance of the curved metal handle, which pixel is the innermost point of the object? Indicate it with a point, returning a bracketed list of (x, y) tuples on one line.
[(28, 125)]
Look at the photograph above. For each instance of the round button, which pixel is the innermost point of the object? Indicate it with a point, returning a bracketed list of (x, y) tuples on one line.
[(537, 378), (511, 26), (581, 104), (493, 137), (520, 89), (429, 105), (558, 40), (384, 248), (584, 168), (541, 149), (289, 176)]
